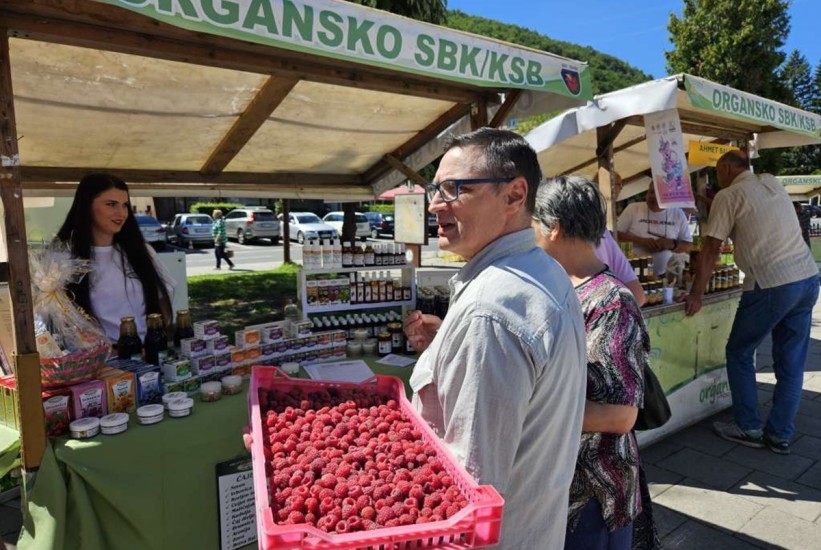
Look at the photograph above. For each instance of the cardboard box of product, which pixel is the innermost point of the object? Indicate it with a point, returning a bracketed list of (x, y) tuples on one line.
[(89, 399), (149, 388), (121, 390)]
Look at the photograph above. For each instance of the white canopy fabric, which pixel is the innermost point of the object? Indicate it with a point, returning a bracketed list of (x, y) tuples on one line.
[(161, 93), (567, 143)]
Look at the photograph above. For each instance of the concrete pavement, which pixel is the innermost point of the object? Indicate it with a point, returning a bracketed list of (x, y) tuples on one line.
[(709, 493)]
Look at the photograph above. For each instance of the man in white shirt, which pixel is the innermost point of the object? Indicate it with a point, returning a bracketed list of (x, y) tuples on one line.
[(655, 231), (780, 290), (502, 377)]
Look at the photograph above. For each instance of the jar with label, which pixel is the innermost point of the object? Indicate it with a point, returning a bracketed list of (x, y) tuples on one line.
[(347, 254), (384, 344), (369, 255), (129, 345), (397, 337), (358, 256), (156, 340)]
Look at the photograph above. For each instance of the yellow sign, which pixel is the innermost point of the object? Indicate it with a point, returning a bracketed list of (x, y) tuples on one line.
[(704, 153)]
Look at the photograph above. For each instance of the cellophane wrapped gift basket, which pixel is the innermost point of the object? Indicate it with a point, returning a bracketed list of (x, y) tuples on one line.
[(72, 345)]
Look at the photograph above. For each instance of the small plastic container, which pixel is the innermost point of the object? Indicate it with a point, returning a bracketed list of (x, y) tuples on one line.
[(354, 348), (210, 391), (85, 428), (114, 423), (369, 346), (290, 368), (150, 414), (169, 397), (360, 334), (232, 385), (179, 408)]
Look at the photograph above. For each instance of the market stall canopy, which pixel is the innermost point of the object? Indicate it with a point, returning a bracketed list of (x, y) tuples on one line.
[(402, 190), (801, 188), (290, 99), (709, 112)]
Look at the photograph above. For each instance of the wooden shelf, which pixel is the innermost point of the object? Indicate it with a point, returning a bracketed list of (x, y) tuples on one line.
[(311, 310)]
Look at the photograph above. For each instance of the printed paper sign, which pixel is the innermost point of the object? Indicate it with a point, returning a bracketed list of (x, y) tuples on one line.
[(668, 164), (235, 502)]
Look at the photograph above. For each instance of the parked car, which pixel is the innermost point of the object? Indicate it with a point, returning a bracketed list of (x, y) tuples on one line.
[(249, 223), (152, 230), (307, 225), (190, 228), (363, 226), (433, 225), (381, 224)]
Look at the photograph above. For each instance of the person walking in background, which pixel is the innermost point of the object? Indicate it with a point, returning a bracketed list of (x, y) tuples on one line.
[(501, 379), (780, 289), (220, 239), (655, 231), (569, 222)]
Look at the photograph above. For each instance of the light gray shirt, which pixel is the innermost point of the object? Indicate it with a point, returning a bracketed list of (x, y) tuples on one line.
[(503, 384)]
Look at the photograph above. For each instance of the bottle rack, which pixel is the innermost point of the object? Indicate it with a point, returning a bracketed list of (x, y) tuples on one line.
[(408, 278)]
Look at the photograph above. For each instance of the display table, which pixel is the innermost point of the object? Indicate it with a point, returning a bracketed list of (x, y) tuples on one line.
[(152, 487), (687, 355), (9, 449)]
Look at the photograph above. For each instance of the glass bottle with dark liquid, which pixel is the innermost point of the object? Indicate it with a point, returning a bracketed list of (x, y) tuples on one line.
[(129, 345), (156, 340), (184, 328)]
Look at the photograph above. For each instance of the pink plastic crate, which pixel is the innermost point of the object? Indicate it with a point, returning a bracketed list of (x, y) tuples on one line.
[(478, 525)]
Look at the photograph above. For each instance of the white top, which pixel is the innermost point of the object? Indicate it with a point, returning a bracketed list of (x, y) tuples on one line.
[(115, 295), (670, 223), (755, 211), (503, 384)]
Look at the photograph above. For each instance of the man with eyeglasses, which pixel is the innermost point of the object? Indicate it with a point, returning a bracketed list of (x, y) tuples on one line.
[(502, 377), (655, 231)]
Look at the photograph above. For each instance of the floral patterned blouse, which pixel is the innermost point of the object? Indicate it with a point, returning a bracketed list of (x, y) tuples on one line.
[(607, 468)]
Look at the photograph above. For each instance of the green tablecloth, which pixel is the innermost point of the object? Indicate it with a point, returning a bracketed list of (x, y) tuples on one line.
[(152, 487), (9, 449)]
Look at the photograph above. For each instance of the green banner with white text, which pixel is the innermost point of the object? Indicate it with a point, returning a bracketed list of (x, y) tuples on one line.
[(342, 30), (748, 107)]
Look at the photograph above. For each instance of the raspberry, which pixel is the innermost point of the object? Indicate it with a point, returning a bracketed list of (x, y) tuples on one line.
[(354, 524), (328, 481), (367, 513), (341, 526), (295, 518), (341, 489), (406, 519), (384, 515)]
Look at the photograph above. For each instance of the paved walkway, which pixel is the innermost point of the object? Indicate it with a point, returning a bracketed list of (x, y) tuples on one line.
[(709, 493)]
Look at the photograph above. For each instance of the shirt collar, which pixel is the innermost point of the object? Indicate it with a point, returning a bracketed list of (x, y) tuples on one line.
[(511, 243)]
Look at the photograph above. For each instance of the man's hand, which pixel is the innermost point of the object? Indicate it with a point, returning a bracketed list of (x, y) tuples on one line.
[(666, 244), (420, 328), (653, 245), (692, 304)]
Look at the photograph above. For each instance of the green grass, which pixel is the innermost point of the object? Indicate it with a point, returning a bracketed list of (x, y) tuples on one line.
[(242, 299)]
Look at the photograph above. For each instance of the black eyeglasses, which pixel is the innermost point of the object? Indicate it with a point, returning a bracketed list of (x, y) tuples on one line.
[(449, 189)]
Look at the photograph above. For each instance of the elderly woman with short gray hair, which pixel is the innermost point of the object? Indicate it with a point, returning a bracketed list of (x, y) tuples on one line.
[(569, 221)]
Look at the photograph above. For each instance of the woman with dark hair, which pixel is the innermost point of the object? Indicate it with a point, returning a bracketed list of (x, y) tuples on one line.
[(128, 279), (569, 221)]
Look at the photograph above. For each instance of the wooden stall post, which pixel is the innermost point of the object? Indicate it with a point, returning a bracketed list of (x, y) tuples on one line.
[(26, 359), (607, 174), (286, 231)]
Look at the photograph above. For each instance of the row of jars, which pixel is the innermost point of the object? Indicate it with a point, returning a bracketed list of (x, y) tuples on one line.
[(723, 278)]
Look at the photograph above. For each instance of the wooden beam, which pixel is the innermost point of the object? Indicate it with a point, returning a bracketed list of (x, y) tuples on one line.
[(165, 177), (607, 173), (705, 126), (502, 113), (425, 135), (269, 97), (622, 147), (411, 174), (153, 39), (611, 136), (478, 114), (26, 360)]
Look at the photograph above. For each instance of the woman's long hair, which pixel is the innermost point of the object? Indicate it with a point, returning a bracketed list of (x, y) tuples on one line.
[(77, 232)]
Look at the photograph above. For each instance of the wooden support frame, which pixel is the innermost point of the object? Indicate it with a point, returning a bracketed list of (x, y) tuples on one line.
[(269, 97), (478, 114), (511, 97), (26, 360), (622, 147), (607, 173), (411, 174), (32, 174)]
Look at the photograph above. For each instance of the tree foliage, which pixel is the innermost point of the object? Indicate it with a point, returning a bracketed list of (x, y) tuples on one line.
[(804, 93), (430, 11), (733, 42)]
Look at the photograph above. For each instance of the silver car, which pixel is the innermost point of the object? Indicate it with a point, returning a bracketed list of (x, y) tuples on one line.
[(190, 228), (252, 222), (307, 226), (363, 226), (152, 230)]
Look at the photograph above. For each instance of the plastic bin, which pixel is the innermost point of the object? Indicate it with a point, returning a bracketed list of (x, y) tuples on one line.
[(478, 525)]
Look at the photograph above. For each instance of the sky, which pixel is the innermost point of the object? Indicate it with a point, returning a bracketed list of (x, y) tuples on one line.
[(632, 30)]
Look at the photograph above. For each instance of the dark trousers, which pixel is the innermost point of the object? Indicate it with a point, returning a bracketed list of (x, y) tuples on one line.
[(219, 252)]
